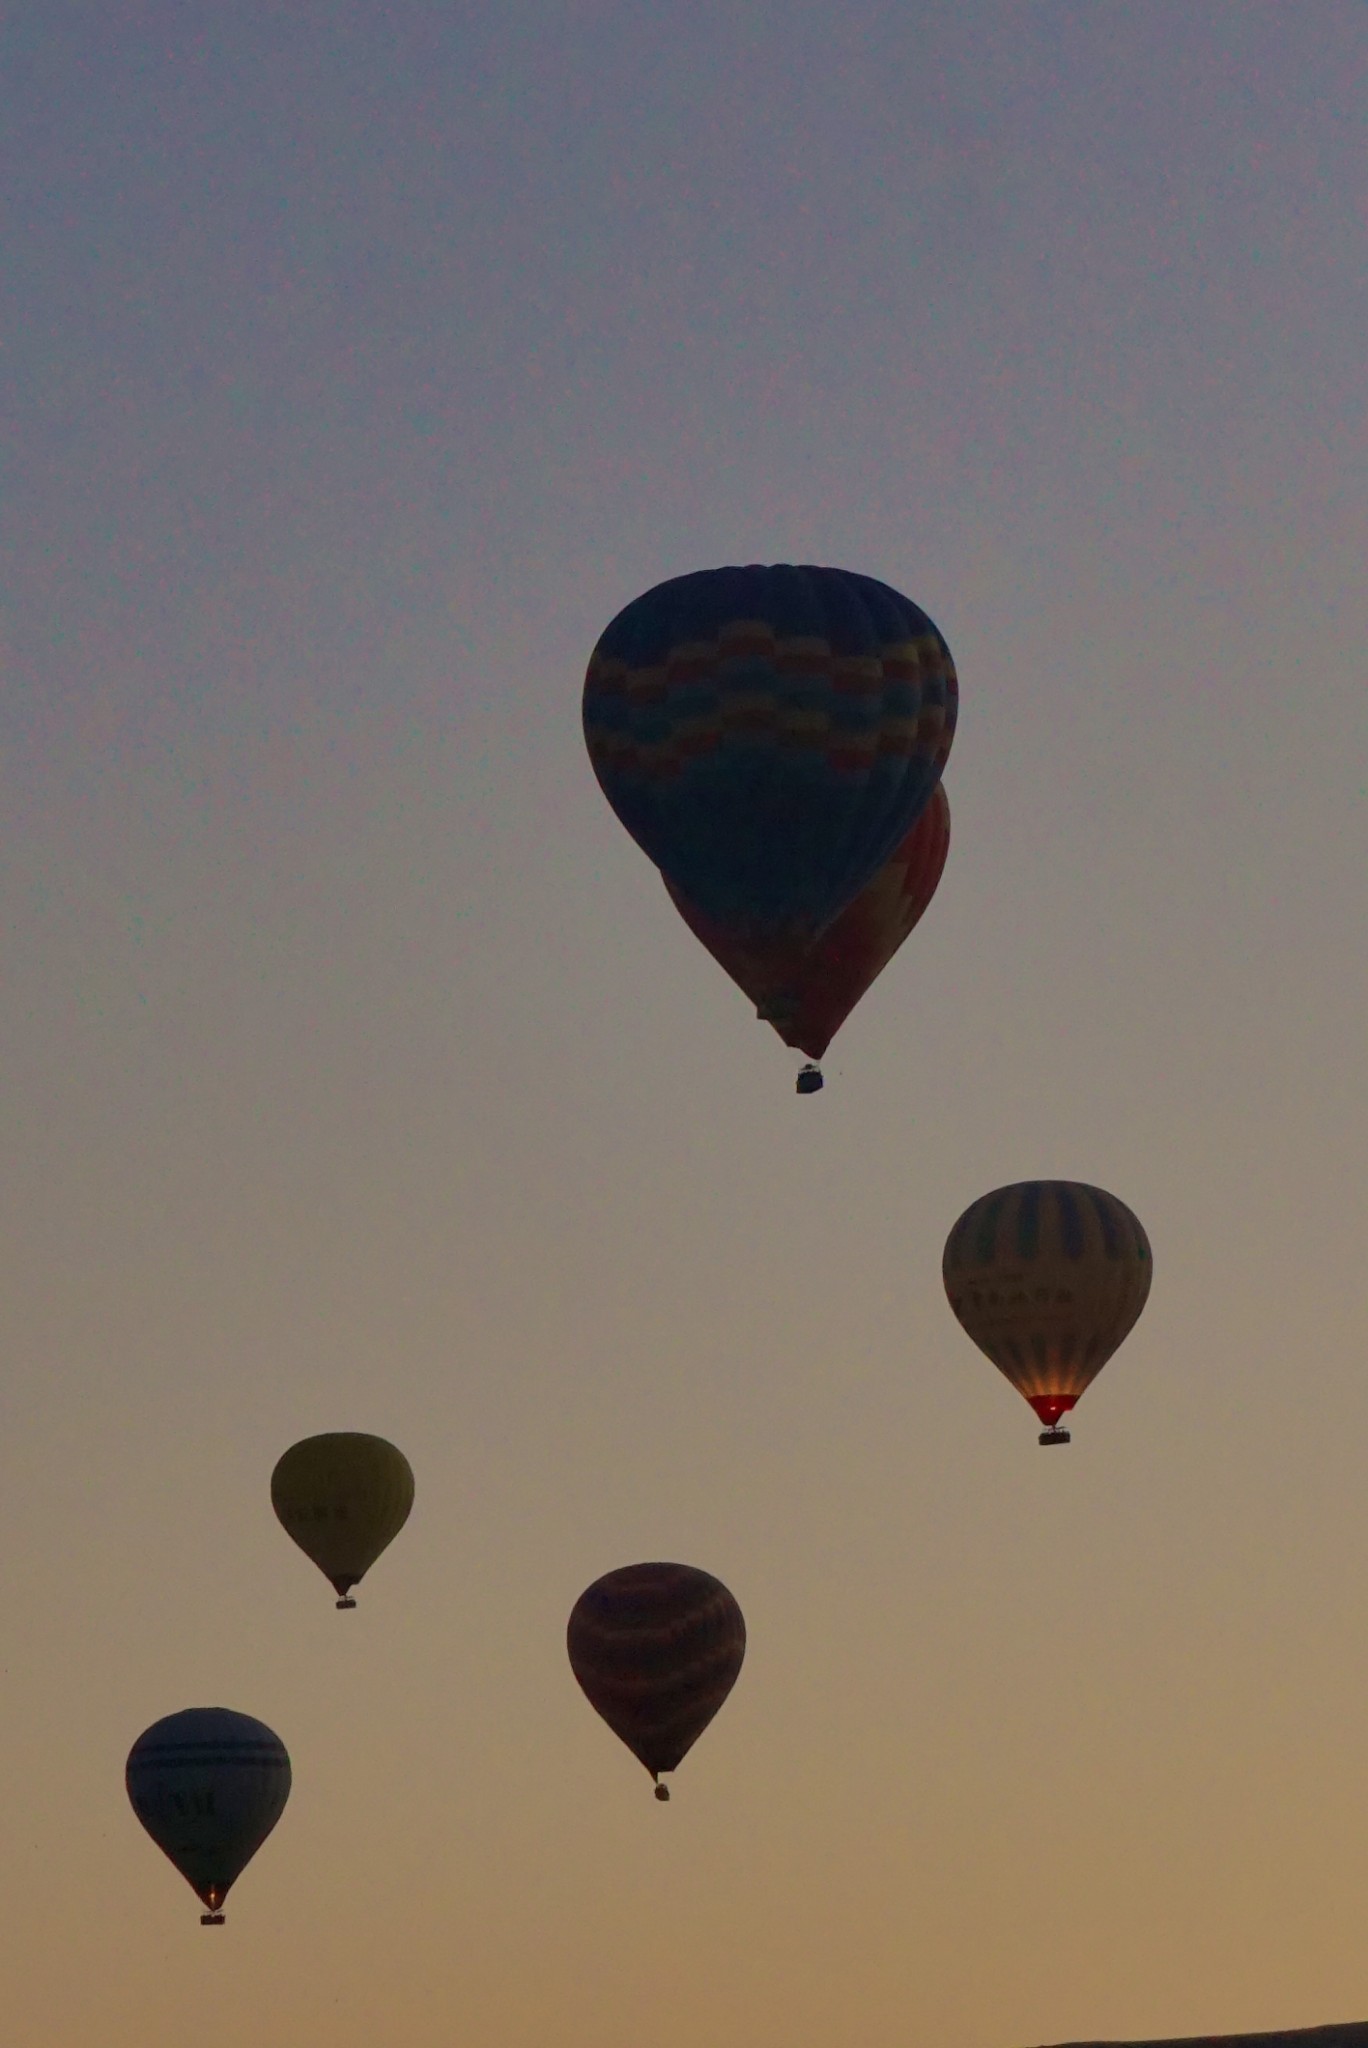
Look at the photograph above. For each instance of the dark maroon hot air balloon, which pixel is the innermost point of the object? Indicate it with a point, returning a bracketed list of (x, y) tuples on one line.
[(656, 1649)]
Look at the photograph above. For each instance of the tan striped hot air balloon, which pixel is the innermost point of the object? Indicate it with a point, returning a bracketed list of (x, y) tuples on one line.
[(1048, 1277), (343, 1497), (656, 1649)]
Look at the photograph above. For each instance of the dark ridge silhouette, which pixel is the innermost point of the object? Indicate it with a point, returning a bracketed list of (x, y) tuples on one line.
[(1351, 2034)]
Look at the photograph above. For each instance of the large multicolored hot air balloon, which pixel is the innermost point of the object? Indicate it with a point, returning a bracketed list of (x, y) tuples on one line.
[(208, 1785), (808, 1004), (1048, 1277), (768, 736), (656, 1649), (343, 1497)]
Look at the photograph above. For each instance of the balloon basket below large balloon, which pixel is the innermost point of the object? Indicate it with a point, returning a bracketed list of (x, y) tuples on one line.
[(662, 1791), (211, 1919), (345, 1604), (809, 1081), (1057, 1435)]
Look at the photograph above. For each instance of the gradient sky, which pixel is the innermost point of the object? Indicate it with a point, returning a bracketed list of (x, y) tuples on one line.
[(360, 363)]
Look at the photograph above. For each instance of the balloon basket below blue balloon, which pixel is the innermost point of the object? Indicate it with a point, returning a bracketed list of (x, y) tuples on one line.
[(809, 1081)]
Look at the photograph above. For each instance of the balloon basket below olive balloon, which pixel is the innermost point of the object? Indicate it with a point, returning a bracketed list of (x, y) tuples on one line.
[(211, 1919), (1057, 1435), (809, 1081), (662, 1791)]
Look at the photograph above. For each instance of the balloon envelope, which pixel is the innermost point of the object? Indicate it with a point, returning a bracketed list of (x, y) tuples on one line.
[(807, 999), (1048, 1277), (656, 1648), (343, 1497), (769, 735), (208, 1785)]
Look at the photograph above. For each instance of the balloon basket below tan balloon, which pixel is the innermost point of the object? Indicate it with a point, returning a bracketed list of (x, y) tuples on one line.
[(809, 1081), (1056, 1435)]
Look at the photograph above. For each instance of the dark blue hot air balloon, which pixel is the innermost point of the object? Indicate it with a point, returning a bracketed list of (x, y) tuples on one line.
[(209, 1785), (768, 736)]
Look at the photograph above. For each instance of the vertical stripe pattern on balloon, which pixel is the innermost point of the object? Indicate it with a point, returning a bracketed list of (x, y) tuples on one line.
[(1048, 1277)]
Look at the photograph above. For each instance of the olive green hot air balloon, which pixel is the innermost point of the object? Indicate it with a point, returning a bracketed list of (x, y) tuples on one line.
[(343, 1497)]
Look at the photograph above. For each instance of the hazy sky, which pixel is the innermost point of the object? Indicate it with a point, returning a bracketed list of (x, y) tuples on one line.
[(359, 363)]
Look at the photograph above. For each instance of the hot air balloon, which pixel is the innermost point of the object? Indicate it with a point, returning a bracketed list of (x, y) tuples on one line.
[(768, 736), (343, 1497), (656, 1649), (808, 1003), (1048, 1277), (208, 1785)]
